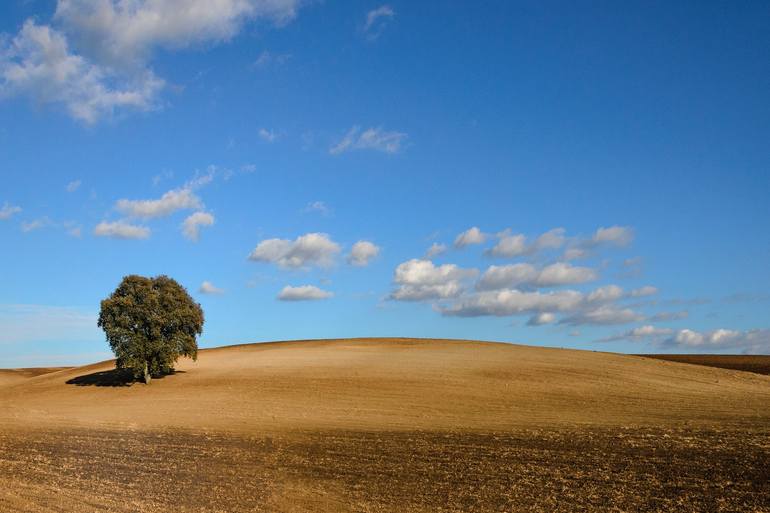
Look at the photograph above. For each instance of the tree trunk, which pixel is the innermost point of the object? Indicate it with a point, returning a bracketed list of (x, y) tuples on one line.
[(147, 377)]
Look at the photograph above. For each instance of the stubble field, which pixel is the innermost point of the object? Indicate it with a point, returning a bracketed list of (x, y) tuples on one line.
[(389, 425)]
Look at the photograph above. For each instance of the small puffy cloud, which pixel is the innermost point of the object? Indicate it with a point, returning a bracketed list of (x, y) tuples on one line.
[(376, 19), (575, 254), (614, 235), (420, 280), (362, 252), (509, 245), (755, 341), (470, 236), (36, 224), (435, 250), (648, 331), (121, 230), (208, 288), (541, 318), (267, 135), (8, 211), (603, 315), (552, 239), (73, 186), (170, 202), (605, 294), (369, 139), (303, 293), (507, 276), (647, 290), (564, 274), (307, 250), (192, 225)]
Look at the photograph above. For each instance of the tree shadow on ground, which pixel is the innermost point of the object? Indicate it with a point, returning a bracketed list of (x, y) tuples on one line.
[(111, 378)]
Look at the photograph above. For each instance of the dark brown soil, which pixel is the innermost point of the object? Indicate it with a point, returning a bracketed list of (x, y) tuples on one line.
[(535, 470), (758, 364)]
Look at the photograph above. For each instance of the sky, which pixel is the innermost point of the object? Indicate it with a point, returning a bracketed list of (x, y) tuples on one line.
[(583, 175)]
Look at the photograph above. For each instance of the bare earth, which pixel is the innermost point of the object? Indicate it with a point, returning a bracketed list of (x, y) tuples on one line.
[(759, 364), (396, 425)]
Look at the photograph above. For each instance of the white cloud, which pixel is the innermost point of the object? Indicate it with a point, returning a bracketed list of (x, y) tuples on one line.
[(509, 245), (552, 239), (648, 331), (36, 224), (575, 254), (115, 40), (518, 275), (592, 308), (191, 226), (605, 294), (209, 288), (470, 236), (362, 252), (307, 250), (370, 139), (121, 230), (755, 341), (124, 33), (614, 235), (541, 318), (170, 202), (8, 211), (507, 276), (38, 63), (376, 19), (564, 274), (503, 303), (435, 250), (303, 293), (603, 315), (420, 280), (647, 290), (73, 186), (267, 135), (581, 247)]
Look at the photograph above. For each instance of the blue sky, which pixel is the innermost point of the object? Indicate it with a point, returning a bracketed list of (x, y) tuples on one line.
[(588, 175)]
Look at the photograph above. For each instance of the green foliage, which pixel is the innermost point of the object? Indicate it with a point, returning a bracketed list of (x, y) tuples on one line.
[(149, 323)]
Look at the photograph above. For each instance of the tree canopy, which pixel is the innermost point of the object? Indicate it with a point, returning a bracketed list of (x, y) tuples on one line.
[(149, 324)]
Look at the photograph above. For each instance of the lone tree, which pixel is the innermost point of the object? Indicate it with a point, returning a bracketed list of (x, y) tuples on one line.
[(149, 323)]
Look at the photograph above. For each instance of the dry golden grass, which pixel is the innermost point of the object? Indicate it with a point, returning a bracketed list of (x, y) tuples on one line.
[(389, 425)]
